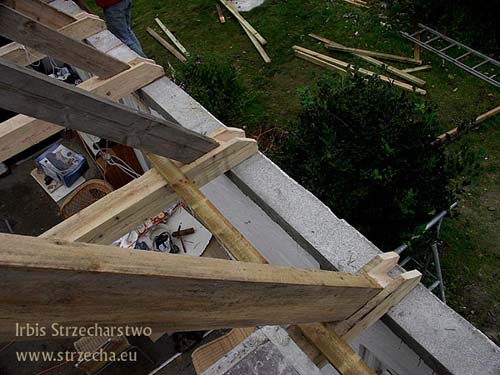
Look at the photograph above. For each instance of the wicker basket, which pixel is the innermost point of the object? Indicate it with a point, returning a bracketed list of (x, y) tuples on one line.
[(84, 195)]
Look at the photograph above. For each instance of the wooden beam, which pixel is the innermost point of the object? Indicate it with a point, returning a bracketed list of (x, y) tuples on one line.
[(77, 284), (408, 281), (79, 30), (373, 61), (206, 212), (336, 350), (487, 115), (344, 65), (318, 61), (243, 21), (220, 14), (244, 251), (170, 48), (34, 94), (172, 37), (126, 208), (41, 12), (33, 34), (21, 132), (380, 55), (417, 69), (479, 119)]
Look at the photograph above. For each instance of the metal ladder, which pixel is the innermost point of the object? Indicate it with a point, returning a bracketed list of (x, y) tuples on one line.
[(459, 61)]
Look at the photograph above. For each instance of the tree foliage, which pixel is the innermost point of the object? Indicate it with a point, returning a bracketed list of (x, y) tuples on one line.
[(364, 148)]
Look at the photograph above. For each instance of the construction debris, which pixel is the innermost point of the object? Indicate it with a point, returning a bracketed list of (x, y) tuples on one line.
[(172, 37), (417, 69), (332, 63), (479, 119), (166, 45), (397, 72), (257, 40), (219, 12), (358, 3), (381, 55)]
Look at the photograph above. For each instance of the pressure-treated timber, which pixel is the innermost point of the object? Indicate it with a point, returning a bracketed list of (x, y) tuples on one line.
[(34, 94), (21, 132), (81, 29), (317, 61), (33, 34), (126, 208), (206, 212), (243, 21), (342, 65), (337, 351), (78, 284), (172, 37), (170, 48), (380, 55), (43, 13), (397, 72)]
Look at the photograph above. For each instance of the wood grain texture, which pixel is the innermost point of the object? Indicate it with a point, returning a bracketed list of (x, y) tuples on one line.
[(81, 284), (206, 212), (124, 209), (30, 93), (337, 351), (33, 34), (41, 12), (21, 132), (79, 30)]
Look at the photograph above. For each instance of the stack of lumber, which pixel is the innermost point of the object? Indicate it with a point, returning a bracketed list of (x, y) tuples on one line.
[(368, 56), (257, 40), (178, 51)]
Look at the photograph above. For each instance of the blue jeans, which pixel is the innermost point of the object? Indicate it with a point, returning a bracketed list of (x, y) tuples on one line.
[(117, 19)]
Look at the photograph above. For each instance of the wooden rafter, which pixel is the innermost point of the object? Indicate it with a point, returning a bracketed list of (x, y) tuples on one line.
[(33, 34), (41, 12), (79, 284), (34, 94), (21, 132), (82, 28)]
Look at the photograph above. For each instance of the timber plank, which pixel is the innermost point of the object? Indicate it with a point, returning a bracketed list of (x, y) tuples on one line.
[(172, 37), (397, 72), (206, 212), (21, 132), (80, 29), (33, 34), (43, 13), (81, 284), (124, 209), (170, 48), (243, 21), (30, 93), (380, 55)]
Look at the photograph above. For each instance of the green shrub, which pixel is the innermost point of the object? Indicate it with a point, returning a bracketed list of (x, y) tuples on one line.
[(217, 86), (364, 148)]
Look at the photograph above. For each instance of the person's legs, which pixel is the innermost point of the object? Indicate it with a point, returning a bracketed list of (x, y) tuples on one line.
[(137, 44), (117, 17)]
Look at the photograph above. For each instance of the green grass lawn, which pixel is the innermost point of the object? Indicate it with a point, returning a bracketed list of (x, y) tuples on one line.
[(471, 247)]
